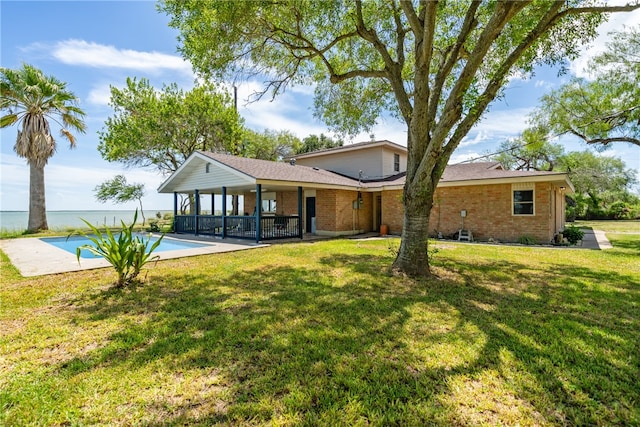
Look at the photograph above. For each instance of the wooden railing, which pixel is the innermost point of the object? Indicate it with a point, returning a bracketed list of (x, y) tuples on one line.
[(239, 227), (279, 227)]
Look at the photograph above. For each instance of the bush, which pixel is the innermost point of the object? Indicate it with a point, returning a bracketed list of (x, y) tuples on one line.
[(573, 234), (127, 253), (620, 210), (527, 240)]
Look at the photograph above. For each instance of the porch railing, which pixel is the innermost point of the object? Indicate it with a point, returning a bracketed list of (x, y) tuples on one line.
[(239, 227)]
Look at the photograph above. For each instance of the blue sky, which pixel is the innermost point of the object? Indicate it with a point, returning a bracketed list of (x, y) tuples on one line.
[(94, 44)]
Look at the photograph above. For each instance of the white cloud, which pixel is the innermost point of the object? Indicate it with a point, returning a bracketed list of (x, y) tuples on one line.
[(99, 95), (616, 22), (462, 157), (90, 54), (508, 122)]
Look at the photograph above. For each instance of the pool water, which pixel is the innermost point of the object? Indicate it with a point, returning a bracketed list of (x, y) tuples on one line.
[(72, 243)]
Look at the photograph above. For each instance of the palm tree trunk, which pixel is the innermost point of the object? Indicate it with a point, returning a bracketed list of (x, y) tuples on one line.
[(37, 205)]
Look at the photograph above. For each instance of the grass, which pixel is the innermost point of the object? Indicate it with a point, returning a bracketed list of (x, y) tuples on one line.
[(321, 334), (618, 226)]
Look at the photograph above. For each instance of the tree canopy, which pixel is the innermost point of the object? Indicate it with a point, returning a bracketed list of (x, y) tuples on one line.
[(268, 144), (434, 65), (318, 142), (599, 181), (118, 190), (161, 128), (30, 99), (603, 110), (531, 151)]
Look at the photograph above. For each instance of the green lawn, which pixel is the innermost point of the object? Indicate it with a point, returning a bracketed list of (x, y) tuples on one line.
[(618, 226), (320, 334)]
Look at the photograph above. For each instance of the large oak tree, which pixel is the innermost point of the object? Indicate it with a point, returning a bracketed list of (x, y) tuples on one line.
[(435, 65)]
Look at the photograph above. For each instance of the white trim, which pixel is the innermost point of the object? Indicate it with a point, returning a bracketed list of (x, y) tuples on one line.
[(196, 154), (353, 147), (524, 186), (559, 177)]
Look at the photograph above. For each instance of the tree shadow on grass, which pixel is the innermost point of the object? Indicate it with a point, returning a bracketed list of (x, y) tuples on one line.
[(631, 245), (350, 344)]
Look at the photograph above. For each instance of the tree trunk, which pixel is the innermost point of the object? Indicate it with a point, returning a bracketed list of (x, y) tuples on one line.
[(37, 205), (413, 258), (423, 174)]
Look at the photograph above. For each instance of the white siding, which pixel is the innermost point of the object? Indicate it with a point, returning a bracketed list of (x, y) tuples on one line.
[(374, 162), (195, 177), (387, 162), (350, 163)]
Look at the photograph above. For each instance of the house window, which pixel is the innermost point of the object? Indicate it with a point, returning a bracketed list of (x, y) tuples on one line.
[(396, 162), (269, 206), (207, 168), (523, 202)]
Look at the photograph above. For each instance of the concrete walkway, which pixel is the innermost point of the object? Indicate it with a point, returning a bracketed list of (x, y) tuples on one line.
[(595, 239), (33, 257)]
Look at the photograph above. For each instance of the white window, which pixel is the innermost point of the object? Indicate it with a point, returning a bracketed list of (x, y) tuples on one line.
[(523, 199), (269, 206), (396, 162)]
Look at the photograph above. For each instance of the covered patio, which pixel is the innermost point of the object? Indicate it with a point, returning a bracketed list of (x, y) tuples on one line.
[(258, 226), (220, 177)]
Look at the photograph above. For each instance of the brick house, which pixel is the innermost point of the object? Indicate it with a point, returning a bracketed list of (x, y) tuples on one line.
[(358, 188)]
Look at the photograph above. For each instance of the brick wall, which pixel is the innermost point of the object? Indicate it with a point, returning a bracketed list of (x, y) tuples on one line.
[(392, 211), (249, 203), (335, 213), (287, 202), (489, 212)]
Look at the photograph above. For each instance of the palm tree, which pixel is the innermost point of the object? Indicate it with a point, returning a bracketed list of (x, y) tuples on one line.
[(32, 99)]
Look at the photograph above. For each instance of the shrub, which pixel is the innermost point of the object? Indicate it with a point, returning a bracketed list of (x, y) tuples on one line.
[(573, 234), (527, 240), (620, 210), (154, 225), (127, 253)]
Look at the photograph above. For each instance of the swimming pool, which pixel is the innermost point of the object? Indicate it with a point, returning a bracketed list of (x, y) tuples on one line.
[(72, 243)]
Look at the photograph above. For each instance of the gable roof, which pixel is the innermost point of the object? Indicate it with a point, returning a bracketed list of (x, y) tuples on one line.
[(245, 173), (280, 171)]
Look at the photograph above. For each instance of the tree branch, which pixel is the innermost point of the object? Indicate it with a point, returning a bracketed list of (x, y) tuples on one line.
[(605, 141), (392, 68), (550, 18), (452, 110), (450, 57)]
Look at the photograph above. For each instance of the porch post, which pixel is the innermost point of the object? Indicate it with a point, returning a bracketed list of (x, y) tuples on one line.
[(175, 211), (224, 212), (300, 212), (258, 211), (197, 197), (213, 204)]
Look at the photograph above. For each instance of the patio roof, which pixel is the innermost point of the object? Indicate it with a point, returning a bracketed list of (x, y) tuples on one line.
[(242, 174)]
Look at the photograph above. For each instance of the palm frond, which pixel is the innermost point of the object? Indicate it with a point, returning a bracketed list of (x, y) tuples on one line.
[(8, 120)]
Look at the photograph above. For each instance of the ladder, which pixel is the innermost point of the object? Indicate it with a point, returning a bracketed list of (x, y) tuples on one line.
[(465, 235)]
